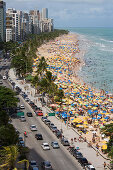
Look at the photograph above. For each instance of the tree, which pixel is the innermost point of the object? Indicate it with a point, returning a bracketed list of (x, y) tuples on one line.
[(9, 156), (8, 135), (7, 98), (42, 66), (4, 118)]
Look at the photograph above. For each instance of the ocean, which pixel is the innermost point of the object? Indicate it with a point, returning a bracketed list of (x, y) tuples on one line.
[(98, 58)]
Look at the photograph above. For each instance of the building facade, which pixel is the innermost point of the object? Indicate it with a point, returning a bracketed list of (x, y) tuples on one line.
[(2, 21)]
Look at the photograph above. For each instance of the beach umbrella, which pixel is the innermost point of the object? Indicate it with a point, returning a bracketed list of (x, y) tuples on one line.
[(106, 117), (100, 115), (98, 118), (94, 118)]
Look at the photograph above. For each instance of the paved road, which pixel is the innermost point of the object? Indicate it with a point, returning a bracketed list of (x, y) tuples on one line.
[(60, 158)]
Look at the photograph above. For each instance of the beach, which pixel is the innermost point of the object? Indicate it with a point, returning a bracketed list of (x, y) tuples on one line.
[(86, 109)]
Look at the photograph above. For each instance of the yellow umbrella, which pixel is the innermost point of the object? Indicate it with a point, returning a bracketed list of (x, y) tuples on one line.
[(104, 147), (104, 141), (85, 123), (85, 126), (76, 120)]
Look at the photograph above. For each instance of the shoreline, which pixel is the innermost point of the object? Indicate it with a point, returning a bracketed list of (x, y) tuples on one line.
[(65, 60)]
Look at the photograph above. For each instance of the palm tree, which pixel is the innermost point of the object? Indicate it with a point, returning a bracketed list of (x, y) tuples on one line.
[(9, 156), (42, 66)]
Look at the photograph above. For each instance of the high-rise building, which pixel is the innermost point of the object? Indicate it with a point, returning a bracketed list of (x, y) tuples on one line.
[(35, 17), (2, 21), (13, 14), (44, 14)]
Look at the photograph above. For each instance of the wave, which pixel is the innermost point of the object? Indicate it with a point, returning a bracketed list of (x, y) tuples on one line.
[(106, 40)]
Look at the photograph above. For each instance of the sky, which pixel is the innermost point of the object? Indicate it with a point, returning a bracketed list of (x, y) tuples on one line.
[(71, 13)]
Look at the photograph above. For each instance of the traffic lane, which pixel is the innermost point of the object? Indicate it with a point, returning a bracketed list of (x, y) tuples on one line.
[(59, 157)]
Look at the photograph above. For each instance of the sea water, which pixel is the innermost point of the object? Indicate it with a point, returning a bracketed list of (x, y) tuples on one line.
[(98, 58)]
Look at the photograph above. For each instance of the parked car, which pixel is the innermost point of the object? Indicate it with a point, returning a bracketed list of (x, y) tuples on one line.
[(32, 164), (1, 82), (33, 128), (51, 125), (27, 99), (21, 143), (38, 136), (55, 145), (45, 146), (47, 121), (22, 119), (20, 138), (65, 142), (22, 107), (77, 155), (29, 114), (89, 167), (83, 161), (58, 133), (43, 118), (46, 165), (54, 128), (4, 77)]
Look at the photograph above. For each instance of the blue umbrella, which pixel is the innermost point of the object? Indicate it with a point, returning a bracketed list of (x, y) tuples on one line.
[(94, 118), (100, 115), (106, 117)]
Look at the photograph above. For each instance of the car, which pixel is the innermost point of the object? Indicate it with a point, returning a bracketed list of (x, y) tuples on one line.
[(43, 118), (29, 114), (46, 165), (38, 136), (45, 146), (33, 128), (77, 155), (83, 161), (22, 143), (32, 164), (39, 113), (4, 77), (65, 142), (53, 128), (27, 99), (20, 138), (22, 107), (47, 121), (35, 168), (22, 118), (58, 133), (55, 145), (89, 167), (1, 82), (51, 125)]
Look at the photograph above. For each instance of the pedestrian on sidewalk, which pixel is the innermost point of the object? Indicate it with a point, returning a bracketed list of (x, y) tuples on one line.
[(105, 165)]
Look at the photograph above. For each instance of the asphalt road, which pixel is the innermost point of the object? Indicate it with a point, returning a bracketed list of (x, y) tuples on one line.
[(59, 158)]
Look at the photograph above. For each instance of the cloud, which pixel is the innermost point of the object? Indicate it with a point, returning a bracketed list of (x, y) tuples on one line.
[(83, 1)]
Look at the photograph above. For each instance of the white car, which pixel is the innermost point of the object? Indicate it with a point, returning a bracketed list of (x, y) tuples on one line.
[(22, 119), (22, 107), (89, 167), (33, 128), (4, 77), (45, 146)]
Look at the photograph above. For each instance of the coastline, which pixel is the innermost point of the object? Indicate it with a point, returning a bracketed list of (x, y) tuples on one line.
[(76, 66)]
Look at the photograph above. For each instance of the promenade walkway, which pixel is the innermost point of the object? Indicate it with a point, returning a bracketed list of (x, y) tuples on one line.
[(68, 132)]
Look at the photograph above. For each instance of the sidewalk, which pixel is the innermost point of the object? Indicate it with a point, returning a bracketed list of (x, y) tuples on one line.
[(69, 133)]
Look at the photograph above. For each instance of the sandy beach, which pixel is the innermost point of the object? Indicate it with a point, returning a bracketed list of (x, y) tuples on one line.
[(88, 109)]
